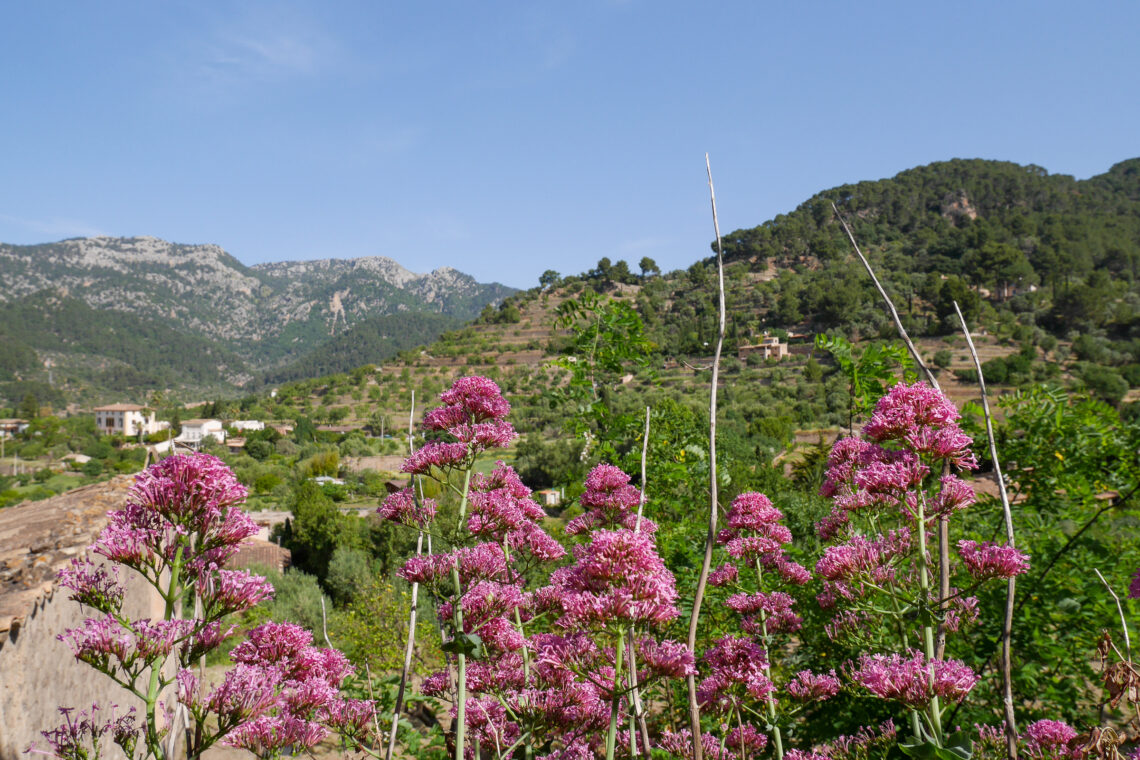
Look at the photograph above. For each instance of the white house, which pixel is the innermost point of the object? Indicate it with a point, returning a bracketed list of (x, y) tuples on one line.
[(126, 419), (247, 425), (12, 426), (194, 431)]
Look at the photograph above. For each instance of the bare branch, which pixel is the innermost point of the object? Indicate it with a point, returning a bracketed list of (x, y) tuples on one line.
[(1007, 513), (887, 300), (409, 647), (702, 580), (1120, 609)]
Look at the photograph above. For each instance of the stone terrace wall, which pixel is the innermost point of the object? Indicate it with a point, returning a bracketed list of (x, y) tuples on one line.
[(37, 671)]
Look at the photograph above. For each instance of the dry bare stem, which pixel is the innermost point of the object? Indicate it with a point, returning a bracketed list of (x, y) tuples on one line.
[(702, 580), (1007, 622)]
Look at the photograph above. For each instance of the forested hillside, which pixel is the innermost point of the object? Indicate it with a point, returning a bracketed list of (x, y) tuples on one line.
[(181, 315)]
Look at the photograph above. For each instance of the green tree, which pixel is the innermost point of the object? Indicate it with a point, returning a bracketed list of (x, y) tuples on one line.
[(29, 407), (648, 267), (318, 528), (549, 279)]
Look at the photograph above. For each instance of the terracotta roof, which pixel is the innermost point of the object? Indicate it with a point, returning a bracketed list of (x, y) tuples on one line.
[(38, 538), (120, 408)]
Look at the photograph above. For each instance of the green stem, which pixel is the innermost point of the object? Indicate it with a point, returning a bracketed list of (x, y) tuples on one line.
[(173, 598), (934, 711), (915, 721), (615, 700), (461, 668), (777, 738)]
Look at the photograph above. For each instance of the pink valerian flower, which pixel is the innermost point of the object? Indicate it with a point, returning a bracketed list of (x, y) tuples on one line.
[(862, 474), (1134, 586), (799, 754), (792, 572), (99, 640), (747, 738), (861, 742), (80, 736), (227, 591), (724, 575), (925, 421), (752, 511), (834, 525), (501, 672), (478, 397), (535, 541), (752, 548), (951, 445), (500, 504), (960, 609), (680, 743), (955, 494), (188, 489), (617, 577), (485, 435), (845, 624), (187, 687), (908, 679), (908, 407), (484, 561), (609, 502), (436, 684), (180, 496), (863, 560), (280, 644), (989, 560), (1048, 738), (488, 723), (664, 659), (269, 734), (205, 639), (403, 507), (427, 568), (808, 686), (350, 717), (92, 585), (157, 639), (737, 668), (435, 454), (846, 454), (246, 692)]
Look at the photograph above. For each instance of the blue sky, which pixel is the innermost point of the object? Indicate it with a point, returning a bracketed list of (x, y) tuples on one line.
[(508, 138)]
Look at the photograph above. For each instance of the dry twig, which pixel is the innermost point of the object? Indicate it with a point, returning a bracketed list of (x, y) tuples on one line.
[(1007, 622), (702, 580)]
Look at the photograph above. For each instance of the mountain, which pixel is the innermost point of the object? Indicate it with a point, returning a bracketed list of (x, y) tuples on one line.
[(153, 295)]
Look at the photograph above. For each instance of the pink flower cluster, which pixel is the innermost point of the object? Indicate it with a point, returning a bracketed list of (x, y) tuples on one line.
[(179, 498), (503, 511), (283, 692), (813, 687), (609, 501), (473, 414), (403, 507), (1049, 739), (79, 736), (92, 585), (847, 568), (923, 420), (179, 526), (736, 671), (989, 560), (911, 680), (618, 578)]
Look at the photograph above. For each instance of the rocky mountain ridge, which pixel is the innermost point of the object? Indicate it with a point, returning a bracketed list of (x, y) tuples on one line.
[(142, 293)]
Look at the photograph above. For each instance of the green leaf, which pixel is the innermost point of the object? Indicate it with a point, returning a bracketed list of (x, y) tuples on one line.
[(468, 644)]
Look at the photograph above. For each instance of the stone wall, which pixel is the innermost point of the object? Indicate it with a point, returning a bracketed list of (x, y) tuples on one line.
[(38, 673)]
